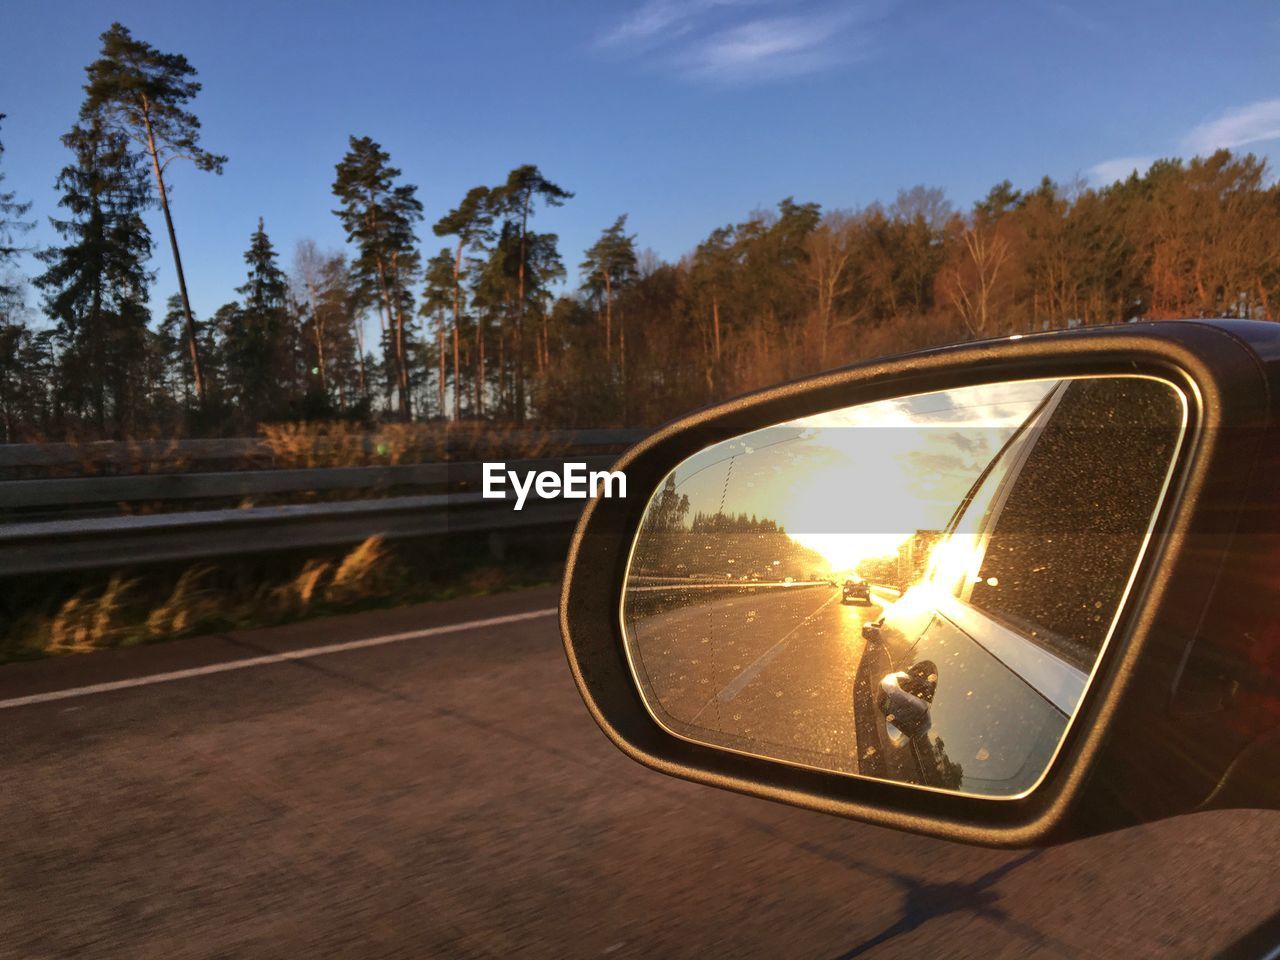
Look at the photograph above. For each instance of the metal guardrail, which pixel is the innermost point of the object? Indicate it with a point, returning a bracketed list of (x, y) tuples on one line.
[(117, 452), (101, 542), (71, 491), (59, 543)]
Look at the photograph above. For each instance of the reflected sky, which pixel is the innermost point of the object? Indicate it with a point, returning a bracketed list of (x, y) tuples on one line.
[(854, 483)]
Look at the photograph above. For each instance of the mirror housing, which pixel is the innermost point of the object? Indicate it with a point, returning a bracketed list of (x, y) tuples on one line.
[(1185, 705)]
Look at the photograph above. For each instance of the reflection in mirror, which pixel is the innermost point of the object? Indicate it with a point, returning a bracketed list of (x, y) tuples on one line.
[(914, 590)]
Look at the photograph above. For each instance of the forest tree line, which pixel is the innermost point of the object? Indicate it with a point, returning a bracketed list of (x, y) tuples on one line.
[(494, 325)]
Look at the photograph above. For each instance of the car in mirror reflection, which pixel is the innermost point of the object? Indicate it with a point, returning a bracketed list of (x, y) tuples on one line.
[(856, 588)]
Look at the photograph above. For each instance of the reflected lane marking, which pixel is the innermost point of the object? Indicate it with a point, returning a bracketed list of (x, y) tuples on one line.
[(273, 658), (736, 685)]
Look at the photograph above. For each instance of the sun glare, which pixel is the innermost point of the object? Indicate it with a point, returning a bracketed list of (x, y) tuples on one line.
[(844, 551)]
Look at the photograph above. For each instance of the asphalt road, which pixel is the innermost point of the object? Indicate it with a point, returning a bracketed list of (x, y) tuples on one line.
[(771, 671), (448, 796)]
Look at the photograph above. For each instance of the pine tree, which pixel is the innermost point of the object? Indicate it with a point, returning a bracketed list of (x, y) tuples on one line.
[(258, 360), (515, 200), (96, 286), (339, 300), (517, 263), (28, 370), (137, 90), (439, 295), (321, 283), (379, 215), (172, 344), (471, 222), (710, 280), (11, 224), (609, 266)]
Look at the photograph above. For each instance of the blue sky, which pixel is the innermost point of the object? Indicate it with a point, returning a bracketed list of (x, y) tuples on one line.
[(683, 115)]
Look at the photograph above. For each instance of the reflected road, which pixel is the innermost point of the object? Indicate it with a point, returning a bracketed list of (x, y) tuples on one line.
[(772, 669)]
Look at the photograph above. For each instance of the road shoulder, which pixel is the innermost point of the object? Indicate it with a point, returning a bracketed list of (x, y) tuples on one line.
[(117, 664)]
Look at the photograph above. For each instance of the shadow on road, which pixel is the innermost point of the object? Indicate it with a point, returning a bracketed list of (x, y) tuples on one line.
[(924, 901)]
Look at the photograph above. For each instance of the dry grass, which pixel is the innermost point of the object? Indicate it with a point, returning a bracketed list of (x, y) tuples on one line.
[(487, 579), (119, 615), (360, 572), (139, 455), (323, 444), (42, 617), (86, 622), (313, 444), (340, 444), (190, 604), (485, 440), (295, 595)]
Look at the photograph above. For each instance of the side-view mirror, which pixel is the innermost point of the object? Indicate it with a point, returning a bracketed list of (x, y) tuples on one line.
[(1010, 592)]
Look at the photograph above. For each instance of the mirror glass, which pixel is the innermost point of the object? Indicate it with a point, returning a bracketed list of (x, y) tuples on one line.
[(914, 590)]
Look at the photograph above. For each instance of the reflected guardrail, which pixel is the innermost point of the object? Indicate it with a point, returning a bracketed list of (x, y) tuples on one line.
[(677, 586)]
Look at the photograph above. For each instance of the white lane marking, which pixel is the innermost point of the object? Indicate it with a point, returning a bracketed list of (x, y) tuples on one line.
[(737, 684), (283, 657)]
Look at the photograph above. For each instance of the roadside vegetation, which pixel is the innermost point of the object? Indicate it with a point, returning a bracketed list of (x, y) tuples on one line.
[(56, 615)]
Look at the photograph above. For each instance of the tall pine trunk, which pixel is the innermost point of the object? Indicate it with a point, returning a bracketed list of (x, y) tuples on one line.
[(457, 375), (622, 365), (388, 326), (519, 339), (197, 372), (440, 354), (457, 320), (319, 332), (479, 374), (357, 321), (608, 318), (402, 361)]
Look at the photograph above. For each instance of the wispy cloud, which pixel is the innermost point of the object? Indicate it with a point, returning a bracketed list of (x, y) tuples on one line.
[(658, 21), (771, 48), (731, 41), (1257, 122), (1118, 168)]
